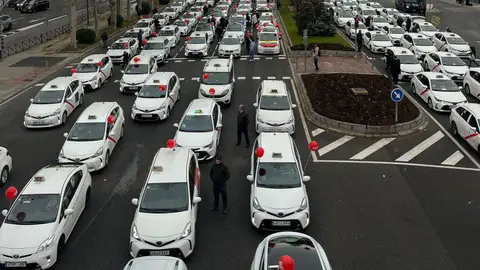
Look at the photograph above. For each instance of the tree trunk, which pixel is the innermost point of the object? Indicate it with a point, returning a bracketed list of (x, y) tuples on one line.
[(95, 16), (129, 3), (118, 7), (113, 15), (73, 24)]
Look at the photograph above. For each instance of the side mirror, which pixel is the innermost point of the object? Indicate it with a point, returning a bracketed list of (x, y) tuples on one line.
[(306, 178), (136, 93), (109, 47), (122, 71), (68, 212), (31, 100), (4, 212), (219, 126), (255, 105), (175, 125), (294, 106), (250, 178), (460, 88), (170, 94), (198, 80), (65, 135), (135, 201), (111, 134), (196, 200), (474, 129), (420, 62)]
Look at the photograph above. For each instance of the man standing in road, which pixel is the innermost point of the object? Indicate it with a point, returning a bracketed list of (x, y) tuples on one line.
[(247, 41), (395, 69), (205, 9), (126, 59), (242, 124), (104, 39), (219, 32), (408, 24), (359, 40), (316, 54), (252, 50), (219, 174), (140, 37), (156, 23)]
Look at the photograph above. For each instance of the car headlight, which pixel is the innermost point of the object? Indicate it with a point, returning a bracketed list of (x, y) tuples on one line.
[(94, 78), (122, 81), (204, 47), (208, 145), (259, 119), (134, 107), (203, 92), (225, 92), (160, 56), (290, 120), (257, 205), (135, 234), (56, 112), (99, 152), (46, 244), (186, 232), (27, 114), (162, 106), (303, 205), (222, 51), (62, 155)]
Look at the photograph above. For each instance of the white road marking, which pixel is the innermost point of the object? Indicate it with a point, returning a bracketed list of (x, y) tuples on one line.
[(68, 66), (195, 78), (18, 19), (204, 60), (178, 61), (56, 18), (256, 78), (317, 131), (396, 164), (269, 58), (39, 84), (191, 60), (29, 27), (334, 145), (181, 79), (241, 78), (453, 159), (116, 81), (415, 151), (281, 58), (256, 58), (243, 59), (372, 148), (175, 56), (178, 58), (37, 20), (285, 78), (271, 78)]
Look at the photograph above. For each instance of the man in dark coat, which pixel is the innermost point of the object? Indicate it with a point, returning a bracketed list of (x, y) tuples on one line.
[(219, 174), (222, 22), (156, 22), (395, 69), (247, 41), (155, 10), (126, 59), (359, 40), (399, 21), (219, 32), (205, 10), (104, 39), (242, 126), (408, 24), (140, 37)]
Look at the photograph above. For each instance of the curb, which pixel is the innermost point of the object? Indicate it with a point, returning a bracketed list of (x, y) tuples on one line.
[(83, 53)]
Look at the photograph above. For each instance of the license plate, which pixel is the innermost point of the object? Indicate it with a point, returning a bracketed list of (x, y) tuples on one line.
[(281, 223), (160, 253), (15, 264), (147, 115), (133, 88), (39, 122)]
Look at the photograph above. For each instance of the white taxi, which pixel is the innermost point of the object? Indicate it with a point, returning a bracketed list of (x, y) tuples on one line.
[(230, 45), (419, 44), (171, 13), (350, 29), (378, 22), (278, 174), (451, 42), (184, 26), (268, 43), (94, 136), (438, 91), (119, 47), (155, 262), (137, 72), (43, 216), (235, 29), (389, 13), (195, 12), (409, 64), (94, 70), (446, 63), (133, 33), (158, 48), (192, 18), (197, 44), (200, 128), (5, 165), (266, 17), (471, 82), (169, 197), (162, 19), (274, 108), (172, 33), (341, 17), (237, 18), (220, 11), (395, 33), (464, 122), (157, 97), (424, 28), (364, 12), (376, 41), (54, 103), (146, 25), (264, 5), (179, 5), (218, 80), (206, 28)]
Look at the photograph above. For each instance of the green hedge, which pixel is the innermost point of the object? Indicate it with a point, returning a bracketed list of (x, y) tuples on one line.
[(85, 36), (146, 8)]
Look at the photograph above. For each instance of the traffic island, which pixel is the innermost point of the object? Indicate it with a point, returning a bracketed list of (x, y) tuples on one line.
[(358, 104)]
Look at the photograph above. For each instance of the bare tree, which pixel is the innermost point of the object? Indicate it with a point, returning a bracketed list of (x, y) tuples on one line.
[(73, 24), (129, 3), (95, 16), (113, 15)]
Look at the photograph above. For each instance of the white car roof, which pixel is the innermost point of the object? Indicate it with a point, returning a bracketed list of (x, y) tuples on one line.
[(217, 65), (159, 78), (474, 107), (400, 51), (390, 9), (49, 180), (200, 107), (424, 23), (155, 262), (278, 147), (198, 34), (142, 59), (97, 112), (392, 26), (59, 83), (449, 34), (157, 39), (416, 36), (169, 165), (94, 58), (168, 27), (435, 75), (445, 54), (373, 33), (148, 20), (124, 40), (274, 88)]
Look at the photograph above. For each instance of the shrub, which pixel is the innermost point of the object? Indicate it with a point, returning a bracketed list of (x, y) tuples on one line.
[(163, 2), (146, 8), (85, 36), (313, 16), (119, 20)]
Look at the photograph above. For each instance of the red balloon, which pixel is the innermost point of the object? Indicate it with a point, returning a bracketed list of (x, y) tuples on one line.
[(249, 34), (286, 263), (277, 25), (211, 23), (234, 6), (259, 30), (223, 8), (211, 91), (154, 34), (111, 119), (259, 152), (186, 21), (313, 145), (187, 38), (148, 16), (265, 24), (268, 5), (100, 64), (162, 87), (205, 76), (280, 34), (125, 45), (188, 13), (243, 13), (144, 42), (72, 70), (271, 21), (136, 59), (11, 193), (170, 143), (271, 16), (247, 1)]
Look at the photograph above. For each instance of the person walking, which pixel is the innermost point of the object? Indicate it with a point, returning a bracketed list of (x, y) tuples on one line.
[(104, 37), (395, 69), (205, 10), (219, 174), (249, 21), (219, 32), (242, 125), (126, 59), (408, 24), (156, 23), (247, 41), (252, 49), (316, 54), (359, 38), (140, 37), (155, 10)]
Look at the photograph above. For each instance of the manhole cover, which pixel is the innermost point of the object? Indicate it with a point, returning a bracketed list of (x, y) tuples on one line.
[(38, 61)]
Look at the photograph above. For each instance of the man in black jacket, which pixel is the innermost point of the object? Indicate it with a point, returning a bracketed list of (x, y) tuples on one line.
[(395, 69), (242, 126), (126, 59), (359, 40), (219, 174), (205, 10)]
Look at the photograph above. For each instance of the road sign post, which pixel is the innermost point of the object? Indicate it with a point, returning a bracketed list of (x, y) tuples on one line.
[(305, 44), (397, 96), (1, 42)]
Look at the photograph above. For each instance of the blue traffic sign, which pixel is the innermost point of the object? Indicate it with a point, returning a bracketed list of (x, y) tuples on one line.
[(397, 95)]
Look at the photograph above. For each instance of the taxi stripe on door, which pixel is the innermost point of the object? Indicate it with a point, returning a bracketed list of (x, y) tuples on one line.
[(111, 139), (423, 92), (69, 103), (471, 136)]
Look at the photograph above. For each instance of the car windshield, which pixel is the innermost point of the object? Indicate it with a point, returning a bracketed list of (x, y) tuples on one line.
[(154, 46), (234, 27), (380, 37), (216, 78), (267, 37), (169, 10), (380, 20), (444, 85), (86, 68), (265, 18), (166, 33), (164, 198), (196, 123), (188, 16), (159, 16), (152, 91), (137, 69), (369, 12), (456, 41), (428, 28), (238, 19), (278, 175), (180, 23), (393, 12), (197, 40), (422, 42), (407, 59), (452, 61), (230, 41), (274, 103), (397, 31), (194, 9), (85, 132), (203, 27), (141, 25), (217, 14), (49, 97), (118, 46), (131, 34), (262, 2), (346, 14), (34, 209)]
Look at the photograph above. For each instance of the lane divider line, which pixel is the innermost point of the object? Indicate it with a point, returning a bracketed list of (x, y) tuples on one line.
[(271, 78), (417, 150), (256, 78), (195, 78), (181, 79), (372, 148), (453, 159), (332, 146)]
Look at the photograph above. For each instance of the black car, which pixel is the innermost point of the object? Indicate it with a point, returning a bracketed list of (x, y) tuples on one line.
[(34, 6), (13, 3), (410, 6)]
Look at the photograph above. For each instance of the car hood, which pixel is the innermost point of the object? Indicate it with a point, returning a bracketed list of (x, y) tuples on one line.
[(269, 198), (81, 150), (462, 48), (14, 236), (456, 70), (43, 109), (85, 77), (395, 36), (115, 52), (149, 103), (454, 97), (168, 13), (275, 116), (230, 47), (144, 29), (428, 33), (382, 43), (426, 49), (172, 224), (233, 33), (196, 47), (218, 88), (193, 139), (152, 52), (411, 68), (380, 24), (205, 32), (135, 78)]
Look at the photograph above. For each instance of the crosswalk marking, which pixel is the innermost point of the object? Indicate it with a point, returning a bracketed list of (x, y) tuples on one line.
[(116, 81), (372, 148), (178, 61), (317, 132), (271, 78), (453, 159), (256, 58), (195, 78), (204, 60), (269, 58), (281, 58), (286, 78), (256, 78), (181, 79), (421, 147), (243, 58), (241, 78), (191, 60), (334, 145)]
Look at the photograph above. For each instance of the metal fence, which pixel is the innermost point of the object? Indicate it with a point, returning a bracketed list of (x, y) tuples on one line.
[(49, 35)]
